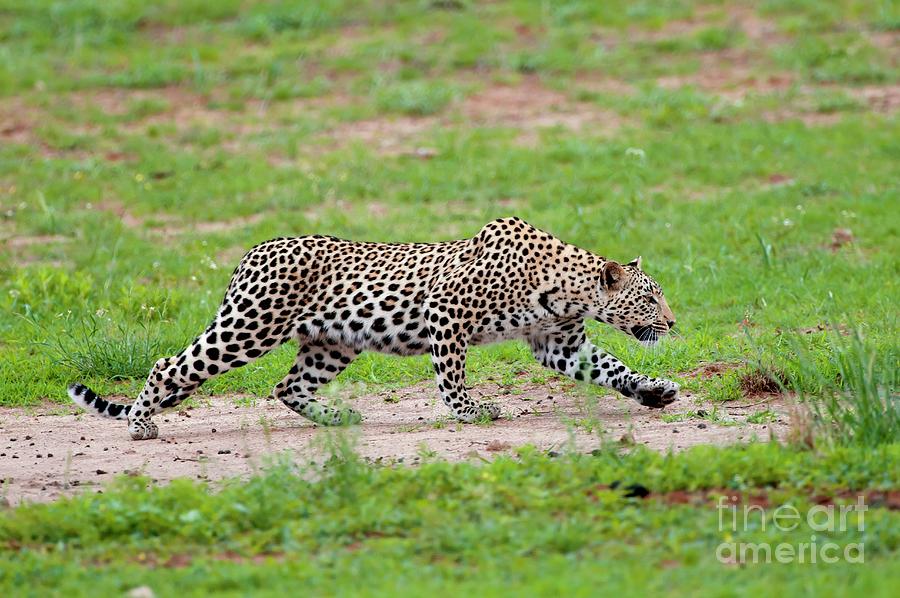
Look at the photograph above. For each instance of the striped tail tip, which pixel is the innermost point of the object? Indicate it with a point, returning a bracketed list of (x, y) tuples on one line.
[(88, 400)]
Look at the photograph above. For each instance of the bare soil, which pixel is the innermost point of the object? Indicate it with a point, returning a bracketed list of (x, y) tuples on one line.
[(527, 106), (45, 454)]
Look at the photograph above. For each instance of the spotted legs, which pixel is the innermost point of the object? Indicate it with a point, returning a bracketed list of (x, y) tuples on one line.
[(568, 351), (173, 379), (448, 356), (317, 363)]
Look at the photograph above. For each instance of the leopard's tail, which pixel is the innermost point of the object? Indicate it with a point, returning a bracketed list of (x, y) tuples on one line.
[(88, 400)]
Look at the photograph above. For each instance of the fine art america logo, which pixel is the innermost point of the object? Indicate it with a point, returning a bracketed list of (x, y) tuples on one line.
[(786, 518)]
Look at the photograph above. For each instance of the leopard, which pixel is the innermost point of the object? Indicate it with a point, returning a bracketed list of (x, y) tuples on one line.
[(338, 298)]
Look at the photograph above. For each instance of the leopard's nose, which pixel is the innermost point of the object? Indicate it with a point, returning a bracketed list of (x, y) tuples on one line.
[(671, 324)]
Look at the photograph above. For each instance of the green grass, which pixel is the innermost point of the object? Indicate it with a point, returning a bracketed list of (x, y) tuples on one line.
[(532, 524), (856, 400), (416, 98), (145, 146)]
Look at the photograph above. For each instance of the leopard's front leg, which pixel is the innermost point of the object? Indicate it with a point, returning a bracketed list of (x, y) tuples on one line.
[(568, 351), (449, 342)]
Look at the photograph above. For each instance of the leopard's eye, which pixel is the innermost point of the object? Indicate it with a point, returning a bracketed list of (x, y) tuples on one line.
[(651, 299)]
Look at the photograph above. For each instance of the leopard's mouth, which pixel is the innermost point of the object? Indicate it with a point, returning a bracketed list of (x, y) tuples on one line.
[(647, 335)]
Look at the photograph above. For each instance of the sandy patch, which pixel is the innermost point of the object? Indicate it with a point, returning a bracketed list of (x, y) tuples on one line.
[(737, 18), (21, 123), (879, 98), (389, 135), (812, 119), (43, 456), (21, 248), (18, 120), (712, 369), (179, 105), (528, 106), (29, 241), (531, 107), (209, 227), (186, 111), (170, 225)]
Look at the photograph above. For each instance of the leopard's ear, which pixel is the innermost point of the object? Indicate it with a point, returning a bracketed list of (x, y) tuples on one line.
[(636, 262), (612, 276)]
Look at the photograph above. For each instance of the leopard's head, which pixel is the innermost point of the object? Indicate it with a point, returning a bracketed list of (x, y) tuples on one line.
[(631, 301)]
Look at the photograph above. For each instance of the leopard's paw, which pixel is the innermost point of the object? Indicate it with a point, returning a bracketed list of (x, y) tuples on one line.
[(143, 430), (347, 417), (490, 410), (656, 393), (479, 412)]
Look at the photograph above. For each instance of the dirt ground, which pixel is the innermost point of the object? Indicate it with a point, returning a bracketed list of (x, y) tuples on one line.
[(44, 455)]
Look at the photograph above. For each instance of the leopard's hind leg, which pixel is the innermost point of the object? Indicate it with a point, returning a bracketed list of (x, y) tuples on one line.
[(228, 343), (318, 363)]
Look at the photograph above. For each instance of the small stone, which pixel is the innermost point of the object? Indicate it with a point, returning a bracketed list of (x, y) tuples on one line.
[(100, 472), (224, 452), (141, 592), (701, 426)]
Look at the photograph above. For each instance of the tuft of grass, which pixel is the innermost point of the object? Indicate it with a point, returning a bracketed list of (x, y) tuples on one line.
[(755, 382), (716, 38), (93, 347), (829, 102), (762, 417), (858, 398), (414, 98)]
